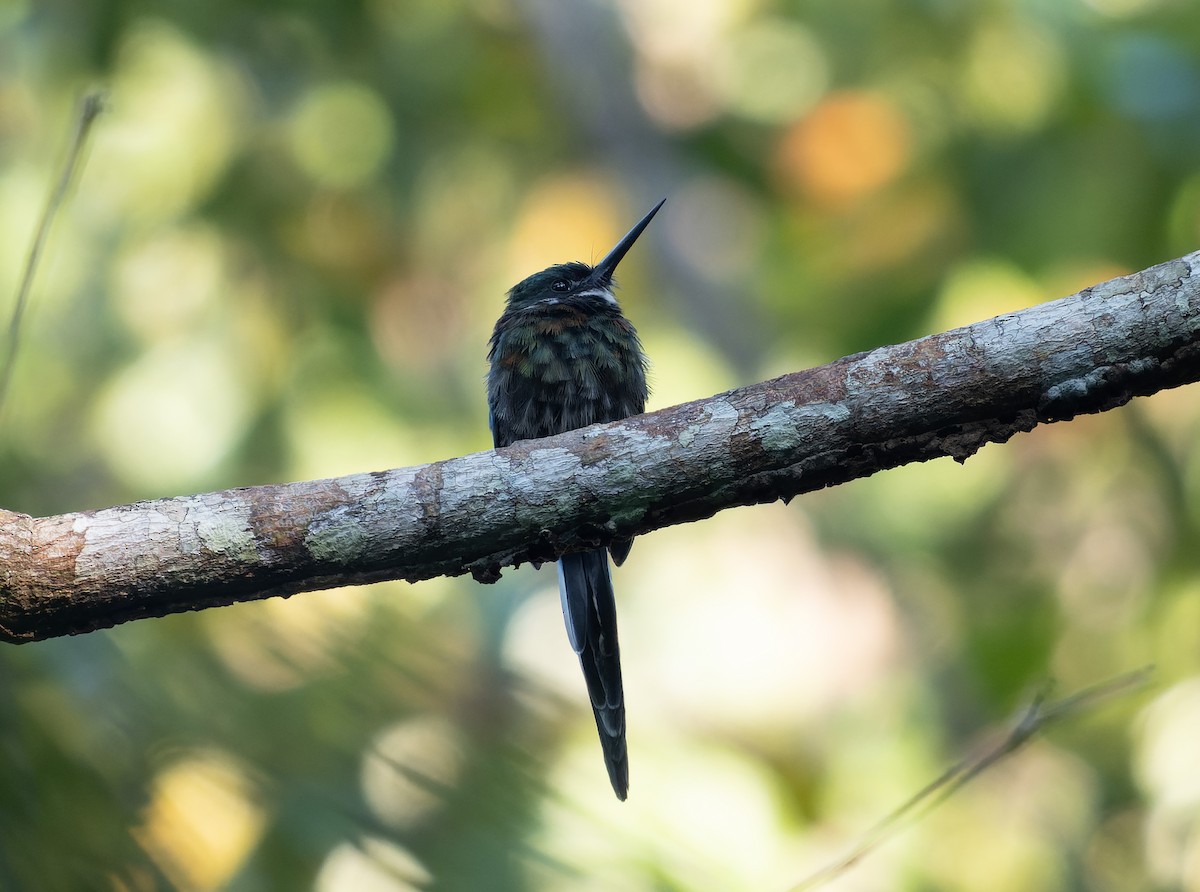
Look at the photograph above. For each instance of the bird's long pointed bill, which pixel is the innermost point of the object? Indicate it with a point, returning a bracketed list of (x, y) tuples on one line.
[(604, 270)]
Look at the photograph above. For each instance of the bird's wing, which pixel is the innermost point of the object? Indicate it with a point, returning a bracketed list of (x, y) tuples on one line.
[(498, 439)]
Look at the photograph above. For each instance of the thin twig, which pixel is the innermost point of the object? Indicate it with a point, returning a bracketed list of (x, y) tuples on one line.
[(89, 107), (1034, 718)]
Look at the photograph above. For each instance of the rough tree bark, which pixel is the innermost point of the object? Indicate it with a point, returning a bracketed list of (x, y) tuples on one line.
[(947, 394)]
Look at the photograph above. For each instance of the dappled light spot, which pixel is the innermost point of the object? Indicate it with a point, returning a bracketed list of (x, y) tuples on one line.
[(1166, 760), (679, 44), (341, 134), (173, 415), (409, 769), (203, 820), (536, 647), (708, 814), (762, 632), (771, 71), (1169, 772), (678, 94), (372, 865), (166, 284), (679, 29), (172, 130), (850, 145), (1014, 76)]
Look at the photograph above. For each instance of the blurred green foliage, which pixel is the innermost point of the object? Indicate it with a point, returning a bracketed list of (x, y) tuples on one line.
[(282, 260)]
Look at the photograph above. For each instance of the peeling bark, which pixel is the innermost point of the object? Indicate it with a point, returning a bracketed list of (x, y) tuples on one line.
[(947, 394)]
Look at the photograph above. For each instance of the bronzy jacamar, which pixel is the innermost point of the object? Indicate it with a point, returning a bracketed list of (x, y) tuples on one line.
[(562, 357)]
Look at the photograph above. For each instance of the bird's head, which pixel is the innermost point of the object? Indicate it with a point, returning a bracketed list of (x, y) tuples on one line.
[(577, 280)]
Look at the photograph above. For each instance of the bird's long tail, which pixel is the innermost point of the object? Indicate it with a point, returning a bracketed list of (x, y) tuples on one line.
[(590, 612)]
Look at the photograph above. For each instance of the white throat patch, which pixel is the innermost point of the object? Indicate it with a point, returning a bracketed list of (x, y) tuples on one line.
[(605, 293)]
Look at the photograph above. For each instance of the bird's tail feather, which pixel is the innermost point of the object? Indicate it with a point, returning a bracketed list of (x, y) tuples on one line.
[(590, 613)]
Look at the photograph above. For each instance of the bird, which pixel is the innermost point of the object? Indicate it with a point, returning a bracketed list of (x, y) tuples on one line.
[(563, 356)]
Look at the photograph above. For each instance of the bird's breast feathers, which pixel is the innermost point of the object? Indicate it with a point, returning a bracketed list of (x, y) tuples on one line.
[(553, 372)]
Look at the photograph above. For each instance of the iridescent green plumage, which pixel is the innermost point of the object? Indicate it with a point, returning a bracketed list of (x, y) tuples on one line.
[(563, 362)]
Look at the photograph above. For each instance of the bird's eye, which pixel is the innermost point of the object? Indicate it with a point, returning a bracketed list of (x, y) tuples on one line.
[(560, 285)]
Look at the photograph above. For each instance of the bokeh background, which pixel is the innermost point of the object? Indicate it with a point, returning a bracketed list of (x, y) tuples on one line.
[(282, 261)]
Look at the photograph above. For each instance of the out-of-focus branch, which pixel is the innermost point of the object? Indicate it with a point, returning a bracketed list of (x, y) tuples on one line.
[(1036, 718), (90, 107), (947, 394)]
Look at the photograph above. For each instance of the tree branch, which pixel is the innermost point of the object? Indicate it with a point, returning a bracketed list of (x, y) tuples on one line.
[(947, 394)]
